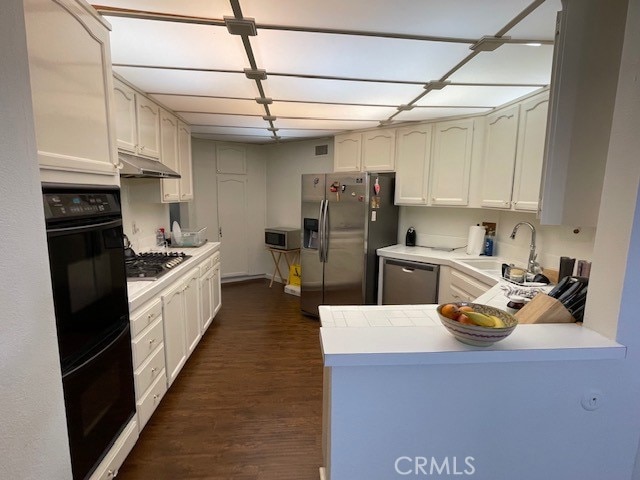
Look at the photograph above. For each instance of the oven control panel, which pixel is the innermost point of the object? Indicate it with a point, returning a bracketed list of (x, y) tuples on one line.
[(66, 205)]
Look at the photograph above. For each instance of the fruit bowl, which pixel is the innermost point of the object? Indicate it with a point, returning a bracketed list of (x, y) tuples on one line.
[(477, 335)]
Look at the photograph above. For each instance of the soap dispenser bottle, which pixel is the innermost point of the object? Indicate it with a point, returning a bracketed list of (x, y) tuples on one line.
[(488, 243)]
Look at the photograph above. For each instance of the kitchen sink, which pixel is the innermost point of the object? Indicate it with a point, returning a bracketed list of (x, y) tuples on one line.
[(481, 264)]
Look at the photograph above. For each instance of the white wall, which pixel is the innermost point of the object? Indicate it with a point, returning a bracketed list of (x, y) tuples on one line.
[(203, 209), (285, 164), (141, 206), (33, 444), (443, 226)]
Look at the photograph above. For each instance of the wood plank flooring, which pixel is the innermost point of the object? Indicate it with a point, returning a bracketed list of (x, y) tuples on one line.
[(248, 403)]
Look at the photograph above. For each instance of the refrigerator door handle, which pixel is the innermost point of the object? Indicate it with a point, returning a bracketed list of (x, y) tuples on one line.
[(325, 231), (320, 232)]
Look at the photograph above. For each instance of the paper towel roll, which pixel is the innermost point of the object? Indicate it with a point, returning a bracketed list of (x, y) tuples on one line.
[(475, 240)]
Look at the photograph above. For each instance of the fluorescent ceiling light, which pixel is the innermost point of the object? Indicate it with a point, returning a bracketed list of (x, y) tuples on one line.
[(244, 26), (533, 44)]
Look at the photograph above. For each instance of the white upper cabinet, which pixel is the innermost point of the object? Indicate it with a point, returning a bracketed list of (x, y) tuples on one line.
[(170, 187), (413, 158), (231, 159), (347, 153), (71, 88), (378, 150), (148, 121), (124, 100), (530, 152), (501, 130), (184, 161), (451, 162)]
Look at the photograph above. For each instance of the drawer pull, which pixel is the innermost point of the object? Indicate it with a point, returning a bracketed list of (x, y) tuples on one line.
[(110, 474), (156, 397), (151, 315), (152, 341), (153, 370)]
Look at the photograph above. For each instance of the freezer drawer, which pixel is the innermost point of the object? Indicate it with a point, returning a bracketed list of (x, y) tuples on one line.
[(409, 283)]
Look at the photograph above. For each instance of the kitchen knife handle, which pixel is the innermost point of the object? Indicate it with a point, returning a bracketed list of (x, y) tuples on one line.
[(556, 291)]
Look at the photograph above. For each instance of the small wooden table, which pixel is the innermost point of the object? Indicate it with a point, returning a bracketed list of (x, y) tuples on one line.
[(276, 254)]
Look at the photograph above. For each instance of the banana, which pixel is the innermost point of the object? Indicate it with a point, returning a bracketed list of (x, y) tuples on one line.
[(480, 319), (498, 323)]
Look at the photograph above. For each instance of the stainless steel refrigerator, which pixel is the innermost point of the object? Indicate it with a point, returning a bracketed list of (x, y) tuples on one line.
[(345, 218)]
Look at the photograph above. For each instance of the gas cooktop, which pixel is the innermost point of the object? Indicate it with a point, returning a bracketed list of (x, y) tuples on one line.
[(151, 266)]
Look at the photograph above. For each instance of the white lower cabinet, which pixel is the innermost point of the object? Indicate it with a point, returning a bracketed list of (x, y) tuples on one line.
[(457, 286), (192, 310), (210, 291), (174, 331), (112, 462), (151, 399)]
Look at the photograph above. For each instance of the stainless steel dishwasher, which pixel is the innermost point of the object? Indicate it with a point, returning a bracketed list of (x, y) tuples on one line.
[(409, 283)]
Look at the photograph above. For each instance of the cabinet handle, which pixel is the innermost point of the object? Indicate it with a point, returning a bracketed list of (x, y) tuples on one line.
[(166, 195), (156, 396), (152, 341), (110, 474), (151, 315), (153, 370)]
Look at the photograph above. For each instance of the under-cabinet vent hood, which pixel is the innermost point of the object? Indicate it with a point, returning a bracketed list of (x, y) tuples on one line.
[(140, 167)]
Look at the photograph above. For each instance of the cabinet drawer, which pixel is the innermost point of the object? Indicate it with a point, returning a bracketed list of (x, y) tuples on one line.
[(206, 266), (146, 343), (150, 400), (149, 371), (459, 295), (468, 284), (108, 468), (216, 258), (145, 316)]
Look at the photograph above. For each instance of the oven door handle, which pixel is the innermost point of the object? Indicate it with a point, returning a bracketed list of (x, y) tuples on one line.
[(84, 228), (118, 334)]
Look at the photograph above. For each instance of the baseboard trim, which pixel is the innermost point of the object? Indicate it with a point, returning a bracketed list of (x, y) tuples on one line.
[(241, 278)]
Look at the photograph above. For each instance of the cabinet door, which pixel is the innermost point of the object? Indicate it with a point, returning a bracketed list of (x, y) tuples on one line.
[(217, 290), (184, 159), (148, 118), (378, 150), (71, 84), (192, 310), (451, 162), (124, 100), (499, 157), (170, 187), (231, 159), (206, 310), (175, 343), (347, 152), (413, 158), (530, 153)]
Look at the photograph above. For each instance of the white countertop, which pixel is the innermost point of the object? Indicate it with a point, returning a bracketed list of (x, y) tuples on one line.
[(413, 335), (142, 291)]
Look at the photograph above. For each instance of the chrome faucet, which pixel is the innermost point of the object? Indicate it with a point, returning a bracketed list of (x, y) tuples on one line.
[(532, 265)]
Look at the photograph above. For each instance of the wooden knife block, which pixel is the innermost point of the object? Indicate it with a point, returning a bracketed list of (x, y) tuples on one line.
[(544, 309)]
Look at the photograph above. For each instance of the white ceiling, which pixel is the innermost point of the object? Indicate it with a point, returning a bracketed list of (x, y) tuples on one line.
[(332, 65)]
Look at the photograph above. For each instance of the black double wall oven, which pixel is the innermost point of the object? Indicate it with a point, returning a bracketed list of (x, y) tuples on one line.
[(86, 257)]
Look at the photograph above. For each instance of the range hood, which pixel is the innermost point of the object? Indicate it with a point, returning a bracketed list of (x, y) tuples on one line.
[(140, 167)]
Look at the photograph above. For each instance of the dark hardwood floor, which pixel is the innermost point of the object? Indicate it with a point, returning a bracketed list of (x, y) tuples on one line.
[(248, 403)]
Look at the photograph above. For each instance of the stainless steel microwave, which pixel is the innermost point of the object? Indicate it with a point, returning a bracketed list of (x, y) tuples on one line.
[(284, 238)]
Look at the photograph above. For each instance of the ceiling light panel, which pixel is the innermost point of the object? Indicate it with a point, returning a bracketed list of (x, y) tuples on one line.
[(508, 64), (188, 82), (355, 57), (304, 124), (291, 133), (181, 103), (259, 132), (231, 138), (421, 17), (539, 24), (320, 110), (195, 8), (335, 91), (223, 120), (150, 42), (418, 114), (472, 96)]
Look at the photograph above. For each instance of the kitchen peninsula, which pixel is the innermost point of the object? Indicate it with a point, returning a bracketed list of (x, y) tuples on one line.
[(403, 397)]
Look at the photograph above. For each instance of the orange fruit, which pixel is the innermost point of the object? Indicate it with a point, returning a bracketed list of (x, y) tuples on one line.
[(450, 311)]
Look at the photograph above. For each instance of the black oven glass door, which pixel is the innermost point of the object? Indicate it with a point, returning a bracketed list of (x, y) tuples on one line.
[(99, 400), (89, 286)]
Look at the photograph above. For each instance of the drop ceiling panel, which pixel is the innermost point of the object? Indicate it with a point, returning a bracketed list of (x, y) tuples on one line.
[(207, 104), (315, 90), (150, 42), (472, 96), (260, 132), (355, 57), (540, 24), (194, 8), (423, 17), (323, 124), (294, 133), (223, 120), (509, 64), (233, 138), (320, 110), (423, 113), (159, 81)]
